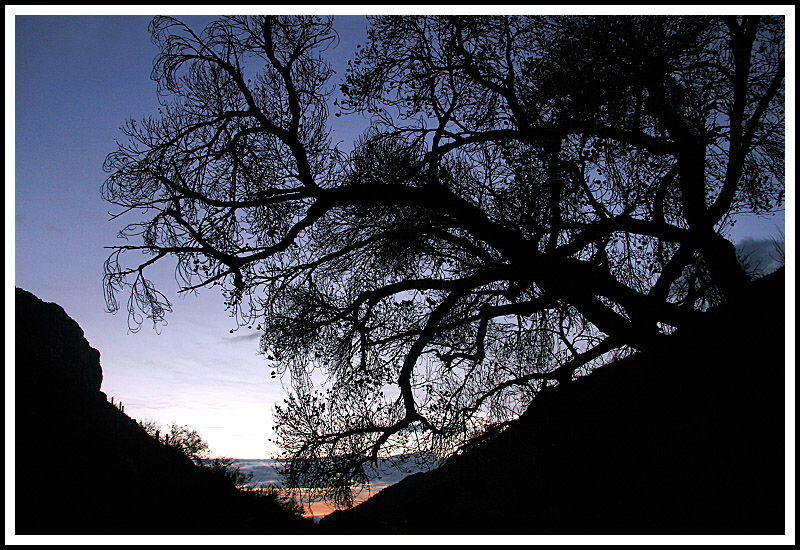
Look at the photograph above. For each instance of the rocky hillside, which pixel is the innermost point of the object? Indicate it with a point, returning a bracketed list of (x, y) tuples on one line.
[(689, 440), (84, 467)]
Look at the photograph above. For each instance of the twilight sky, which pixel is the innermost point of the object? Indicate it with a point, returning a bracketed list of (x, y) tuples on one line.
[(76, 79)]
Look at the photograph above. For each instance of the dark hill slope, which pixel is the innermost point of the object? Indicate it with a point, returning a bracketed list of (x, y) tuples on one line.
[(84, 467), (689, 440)]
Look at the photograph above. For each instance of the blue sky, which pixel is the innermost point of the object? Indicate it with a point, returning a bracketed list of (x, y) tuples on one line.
[(76, 80)]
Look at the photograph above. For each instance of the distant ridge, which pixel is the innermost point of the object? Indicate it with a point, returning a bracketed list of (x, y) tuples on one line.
[(686, 441), (265, 473)]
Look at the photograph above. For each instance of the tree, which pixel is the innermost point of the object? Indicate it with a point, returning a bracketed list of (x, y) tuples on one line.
[(533, 197), (187, 441)]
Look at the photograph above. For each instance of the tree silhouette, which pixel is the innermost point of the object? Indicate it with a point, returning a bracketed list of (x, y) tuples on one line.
[(187, 441), (533, 197)]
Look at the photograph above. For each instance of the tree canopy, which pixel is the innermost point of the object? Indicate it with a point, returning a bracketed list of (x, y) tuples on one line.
[(531, 198)]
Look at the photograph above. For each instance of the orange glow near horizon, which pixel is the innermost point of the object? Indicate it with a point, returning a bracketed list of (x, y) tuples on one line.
[(323, 508)]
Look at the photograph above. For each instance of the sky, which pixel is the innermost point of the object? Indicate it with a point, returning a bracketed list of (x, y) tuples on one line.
[(76, 79)]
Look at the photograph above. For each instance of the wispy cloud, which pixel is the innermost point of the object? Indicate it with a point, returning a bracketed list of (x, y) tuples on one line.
[(240, 338)]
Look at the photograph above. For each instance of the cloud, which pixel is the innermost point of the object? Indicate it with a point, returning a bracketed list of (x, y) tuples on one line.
[(240, 338)]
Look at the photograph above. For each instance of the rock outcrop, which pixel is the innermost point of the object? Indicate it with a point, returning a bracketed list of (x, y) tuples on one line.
[(689, 440), (84, 467), (58, 356)]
